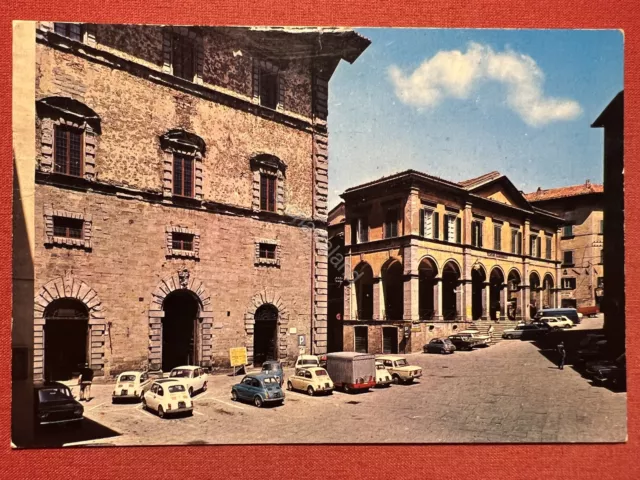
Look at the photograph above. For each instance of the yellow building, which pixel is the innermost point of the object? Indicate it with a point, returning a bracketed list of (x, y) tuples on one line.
[(425, 257)]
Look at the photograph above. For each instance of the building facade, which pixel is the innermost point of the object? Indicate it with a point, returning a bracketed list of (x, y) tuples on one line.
[(425, 257), (181, 194), (581, 241)]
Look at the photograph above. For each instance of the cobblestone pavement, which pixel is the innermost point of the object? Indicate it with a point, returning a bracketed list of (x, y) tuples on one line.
[(508, 392)]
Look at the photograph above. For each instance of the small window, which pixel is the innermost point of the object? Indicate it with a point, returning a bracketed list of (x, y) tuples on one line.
[(497, 237), (426, 223), (567, 257), (391, 223), (68, 151), (182, 175), (533, 246), (476, 233), (548, 248), (268, 251), (307, 374), (269, 89), (183, 54), (450, 228), (267, 192), (182, 241), (67, 227), (69, 30), (360, 231), (516, 242), (160, 391), (567, 231), (569, 283)]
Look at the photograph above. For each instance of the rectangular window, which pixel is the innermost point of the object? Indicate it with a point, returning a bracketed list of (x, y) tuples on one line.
[(602, 256), (268, 89), (567, 231), (68, 151), (268, 250), (548, 248), (267, 192), (360, 231), (183, 56), (426, 223), (67, 227), (476, 233), (567, 257), (391, 223), (601, 226), (69, 30), (449, 228), (538, 247), (533, 246), (182, 241), (569, 283), (182, 175), (497, 237)]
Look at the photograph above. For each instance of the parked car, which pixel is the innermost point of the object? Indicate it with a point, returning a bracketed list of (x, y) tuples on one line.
[(399, 368), (589, 311), (462, 342), (383, 377), (323, 361), (273, 367), (556, 323), (570, 313), (194, 378), (259, 389), (311, 380), (591, 338), (130, 385), (167, 396), (304, 361), (593, 351), (477, 339), (54, 404), (352, 371), (439, 345), (524, 332), (611, 372)]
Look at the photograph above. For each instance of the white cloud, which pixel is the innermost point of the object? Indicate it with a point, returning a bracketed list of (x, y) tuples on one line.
[(455, 74)]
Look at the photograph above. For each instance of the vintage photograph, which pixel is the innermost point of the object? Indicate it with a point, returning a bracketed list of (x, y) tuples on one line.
[(300, 235)]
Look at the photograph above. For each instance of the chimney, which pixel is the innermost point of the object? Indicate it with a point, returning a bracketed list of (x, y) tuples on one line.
[(539, 189), (588, 183)]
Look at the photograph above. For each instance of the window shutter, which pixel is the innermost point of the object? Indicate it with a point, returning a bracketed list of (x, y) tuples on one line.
[(354, 232), (281, 88), (436, 225), (519, 243), (256, 80), (538, 247), (480, 234), (422, 231), (458, 230)]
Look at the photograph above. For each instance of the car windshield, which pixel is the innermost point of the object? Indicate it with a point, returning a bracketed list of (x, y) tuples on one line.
[(176, 388), (269, 381), (401, 363), (181, 373), (127, 378), (54, 394), (380, 367), (272, 366), (320, 373), (309, 361)]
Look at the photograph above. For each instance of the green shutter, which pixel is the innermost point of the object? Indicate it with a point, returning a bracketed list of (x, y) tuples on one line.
[(422, 222), (458, 230), (436, 225)]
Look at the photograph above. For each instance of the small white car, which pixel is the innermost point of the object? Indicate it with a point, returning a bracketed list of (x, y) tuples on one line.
[(383, 377), (556, 323), (167, 396), (307, 361), (194, 378), (130, 385)]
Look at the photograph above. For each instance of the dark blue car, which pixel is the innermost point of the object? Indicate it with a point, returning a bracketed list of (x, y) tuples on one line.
[(259, 389)]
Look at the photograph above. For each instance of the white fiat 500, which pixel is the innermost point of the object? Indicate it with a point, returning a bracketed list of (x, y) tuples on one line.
[(130, 385), (194, 378), (167, 396)]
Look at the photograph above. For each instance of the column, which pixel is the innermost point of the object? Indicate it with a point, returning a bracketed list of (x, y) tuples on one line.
[(467, 302), (459, 302), (467, 217), (349, 288), (411, 223), (526, 310), (378, 298), (437, 299), (503, 301), (486, 299), (410, 298)]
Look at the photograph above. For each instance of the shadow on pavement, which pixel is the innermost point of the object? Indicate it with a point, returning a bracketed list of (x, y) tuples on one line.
[(58, 435)]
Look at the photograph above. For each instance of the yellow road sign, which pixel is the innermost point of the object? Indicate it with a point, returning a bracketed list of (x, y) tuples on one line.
[(238, 356)]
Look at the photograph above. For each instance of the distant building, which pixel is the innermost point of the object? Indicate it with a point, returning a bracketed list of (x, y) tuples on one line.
[(612, 120), (335, 281), (581, 241), (425, 257)]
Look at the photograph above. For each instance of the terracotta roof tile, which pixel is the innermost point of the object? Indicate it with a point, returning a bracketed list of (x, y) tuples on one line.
[(472, 182), (564, 192)]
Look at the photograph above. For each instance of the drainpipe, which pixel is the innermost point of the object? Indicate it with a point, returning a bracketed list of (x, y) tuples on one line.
[(313, 200)]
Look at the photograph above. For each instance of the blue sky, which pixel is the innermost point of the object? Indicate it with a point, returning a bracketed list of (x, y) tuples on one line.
[(465, 102)]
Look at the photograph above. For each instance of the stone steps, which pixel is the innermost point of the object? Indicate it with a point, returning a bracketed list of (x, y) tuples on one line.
[(498, 327)]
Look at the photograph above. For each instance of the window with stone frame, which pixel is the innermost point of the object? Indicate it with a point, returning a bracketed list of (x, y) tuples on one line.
[(182, 242), (68, 136), (267, 252), (268, 84), (391, 223), (74, 31), (567, 258), (183, 53), (67, 228), (568, 283), (497, 236), (183, 170), (268, 183), (548, 249)]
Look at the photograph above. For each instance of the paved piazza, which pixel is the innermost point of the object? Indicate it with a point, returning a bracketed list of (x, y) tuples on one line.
[(509, 392)]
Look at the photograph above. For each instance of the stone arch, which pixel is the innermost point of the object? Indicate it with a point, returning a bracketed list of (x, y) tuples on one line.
[(387, 264), (500, 269), (267, 297), (514, 271), (433, 261), (391, 276), (181, 280), (548, 283), (363, 281), (67, 286), (454, 263)]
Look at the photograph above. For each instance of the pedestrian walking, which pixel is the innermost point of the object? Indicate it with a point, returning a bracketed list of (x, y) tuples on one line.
[(86, 377), (490, 330), (563, 355)]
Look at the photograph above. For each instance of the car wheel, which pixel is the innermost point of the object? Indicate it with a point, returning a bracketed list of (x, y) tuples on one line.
[(204, 387), (346, 388), (191, 391), (396, 378), (160, 411), (234, 396), (257, 401), (509, 337), (443, 351), (289, 386), (310, 391), (144, 403)]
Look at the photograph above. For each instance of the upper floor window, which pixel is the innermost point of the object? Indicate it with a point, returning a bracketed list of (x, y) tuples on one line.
[(267, 251), (569, 283), (497, 236), (360, 230), (452, 229), (427, 220), (183, 56), (567, 257), (68, 227), (391, 223), (267, 192), (567, 231), (69, 30), (68, 150), (182, 241), (516, 242), (548, 248), (183, 157), (182, 175), (476, 233), (269, 89), (268, 84), (534, 245)]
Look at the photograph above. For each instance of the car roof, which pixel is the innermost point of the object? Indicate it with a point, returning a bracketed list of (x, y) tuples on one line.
[(390, 357), (185, 367), (132, 372), (48, 384), (260, 376), (307, 357), (167, 380), (271, 362), (348, 355)]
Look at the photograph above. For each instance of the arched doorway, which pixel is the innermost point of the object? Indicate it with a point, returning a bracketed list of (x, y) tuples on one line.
[(514, 280), (450, 294), (393, 286), (547, 292), (265, 335), (364, 291), (180, 332), (534, 293), (496, 284), (427, 273), (66, 333), (478, 279)]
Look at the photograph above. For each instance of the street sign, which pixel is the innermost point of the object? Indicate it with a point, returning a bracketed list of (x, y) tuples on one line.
[(238, 356)]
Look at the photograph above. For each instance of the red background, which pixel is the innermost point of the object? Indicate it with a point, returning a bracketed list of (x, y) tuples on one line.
[(326, 461)]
